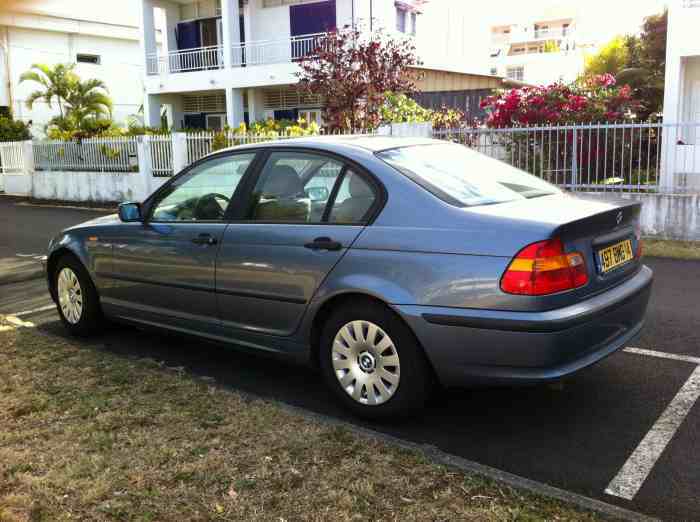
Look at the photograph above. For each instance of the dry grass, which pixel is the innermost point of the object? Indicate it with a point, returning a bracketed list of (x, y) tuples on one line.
[(90, 435), (672, 249)]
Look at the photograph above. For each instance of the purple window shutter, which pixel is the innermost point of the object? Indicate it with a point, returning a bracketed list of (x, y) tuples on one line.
[(312, 18)]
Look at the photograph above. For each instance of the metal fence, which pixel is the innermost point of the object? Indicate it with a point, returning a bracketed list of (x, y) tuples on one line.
[(598, 157), (89, 155)]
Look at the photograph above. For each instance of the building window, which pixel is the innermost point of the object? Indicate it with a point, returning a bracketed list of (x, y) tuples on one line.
[(516, 73), (401, 20), (494, 71), (518, 50), (94, 59), (414, 23)]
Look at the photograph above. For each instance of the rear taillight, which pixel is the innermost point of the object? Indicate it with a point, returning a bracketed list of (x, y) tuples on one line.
[(544, 268)]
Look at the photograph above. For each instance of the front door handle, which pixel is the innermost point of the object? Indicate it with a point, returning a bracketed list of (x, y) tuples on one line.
[(205, 239), (324, 243)]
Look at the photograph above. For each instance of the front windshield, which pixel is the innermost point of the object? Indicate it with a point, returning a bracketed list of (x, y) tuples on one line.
[(464, 177)]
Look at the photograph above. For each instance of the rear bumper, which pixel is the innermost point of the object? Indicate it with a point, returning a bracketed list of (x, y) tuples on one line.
[(468, 347)]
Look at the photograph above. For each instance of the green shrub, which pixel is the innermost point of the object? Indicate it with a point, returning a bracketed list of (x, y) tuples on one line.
[(13, 130)]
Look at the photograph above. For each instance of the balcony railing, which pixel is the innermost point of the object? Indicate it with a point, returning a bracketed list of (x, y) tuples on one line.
[(245, 54)]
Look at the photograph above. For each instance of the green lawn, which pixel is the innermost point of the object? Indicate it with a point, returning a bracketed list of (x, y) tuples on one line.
[(672, 249), (89, 435)]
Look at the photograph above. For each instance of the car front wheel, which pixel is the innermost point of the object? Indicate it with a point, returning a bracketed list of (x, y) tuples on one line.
[(372, 362), (76, 297)]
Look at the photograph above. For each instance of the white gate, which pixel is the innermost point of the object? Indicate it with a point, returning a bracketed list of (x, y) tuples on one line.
[(11, 160)]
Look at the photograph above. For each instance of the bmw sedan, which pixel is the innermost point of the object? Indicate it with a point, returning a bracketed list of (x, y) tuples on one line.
[(391, 264)]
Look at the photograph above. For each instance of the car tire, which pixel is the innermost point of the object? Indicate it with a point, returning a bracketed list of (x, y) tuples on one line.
[(359, 343), (76, 297)]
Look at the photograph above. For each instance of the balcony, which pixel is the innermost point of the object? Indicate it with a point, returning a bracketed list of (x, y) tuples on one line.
[(245, 54)]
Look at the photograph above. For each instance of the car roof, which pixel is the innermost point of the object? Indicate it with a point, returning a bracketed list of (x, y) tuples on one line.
[(339, 143)]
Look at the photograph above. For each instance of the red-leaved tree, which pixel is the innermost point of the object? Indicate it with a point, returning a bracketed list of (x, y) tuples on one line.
[(352, 72)]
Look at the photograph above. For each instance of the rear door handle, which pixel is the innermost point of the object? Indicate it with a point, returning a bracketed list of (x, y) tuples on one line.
[(324, 243), (205, 239)]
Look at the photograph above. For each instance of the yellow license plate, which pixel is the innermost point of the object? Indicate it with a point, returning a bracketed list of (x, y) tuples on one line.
[(616, 255)]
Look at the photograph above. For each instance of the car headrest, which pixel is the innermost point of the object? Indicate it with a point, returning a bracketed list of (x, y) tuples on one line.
[(358, 187), (283, 181)]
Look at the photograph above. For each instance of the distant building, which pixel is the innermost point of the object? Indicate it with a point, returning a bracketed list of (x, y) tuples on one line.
[(542, 50), (229, 61), (44, 32)]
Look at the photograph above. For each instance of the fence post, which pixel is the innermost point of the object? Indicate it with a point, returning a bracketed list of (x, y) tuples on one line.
[(143, 152), (574, 159), (180, 159)]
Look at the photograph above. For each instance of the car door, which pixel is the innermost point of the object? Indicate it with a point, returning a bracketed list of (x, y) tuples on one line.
[(305, 209), (163, 269)]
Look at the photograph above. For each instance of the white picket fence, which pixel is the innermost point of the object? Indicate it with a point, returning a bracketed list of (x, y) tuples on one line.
[(11, 157), (89, 155), (160, 149)]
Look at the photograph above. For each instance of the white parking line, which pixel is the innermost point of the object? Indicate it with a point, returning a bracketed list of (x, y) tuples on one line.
[(664, 355), (35, 311), (16, 321), (635, 471)]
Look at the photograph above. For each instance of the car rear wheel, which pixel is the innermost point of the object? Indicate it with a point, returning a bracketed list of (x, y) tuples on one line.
[(76, 298), (372, 362)]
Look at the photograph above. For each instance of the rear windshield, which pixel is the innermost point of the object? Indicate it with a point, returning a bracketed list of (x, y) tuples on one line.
[(463, 177)]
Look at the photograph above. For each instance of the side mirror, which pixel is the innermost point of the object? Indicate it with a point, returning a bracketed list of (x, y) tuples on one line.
[(129, 212), (317, 193)]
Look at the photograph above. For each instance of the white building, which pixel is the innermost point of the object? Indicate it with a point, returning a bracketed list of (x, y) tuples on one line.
[(682, 94), (229, 61), (102, 40), (539, 51)]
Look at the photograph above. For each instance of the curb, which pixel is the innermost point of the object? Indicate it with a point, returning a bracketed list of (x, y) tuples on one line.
[(609, 511), (28, 272)]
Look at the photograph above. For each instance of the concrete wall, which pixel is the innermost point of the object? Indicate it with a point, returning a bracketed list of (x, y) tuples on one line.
[(87, 186), (666, 216)]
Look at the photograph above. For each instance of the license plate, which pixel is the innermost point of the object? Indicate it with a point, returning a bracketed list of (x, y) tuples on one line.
[(615, 256)]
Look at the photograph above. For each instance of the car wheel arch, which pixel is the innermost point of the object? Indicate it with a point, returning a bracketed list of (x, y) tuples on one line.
[(326, 308), (52, 262)]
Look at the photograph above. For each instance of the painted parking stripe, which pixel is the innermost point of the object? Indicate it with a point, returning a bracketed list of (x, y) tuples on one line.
[(632, 475), (664, 355), (16, 321), (35, 311)]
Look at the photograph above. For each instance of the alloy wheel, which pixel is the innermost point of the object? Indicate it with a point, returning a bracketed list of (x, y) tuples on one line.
[(70, 295)]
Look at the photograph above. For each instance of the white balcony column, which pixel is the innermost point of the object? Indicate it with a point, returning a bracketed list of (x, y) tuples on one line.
[(256, 111), (151, 110), (231, 30), (147, 31), (171, 10), (234, 107)]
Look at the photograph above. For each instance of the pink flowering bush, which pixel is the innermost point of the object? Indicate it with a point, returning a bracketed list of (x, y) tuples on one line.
[(596, 99)]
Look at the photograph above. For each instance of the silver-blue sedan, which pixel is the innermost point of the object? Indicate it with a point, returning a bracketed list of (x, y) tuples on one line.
[(391, 264)]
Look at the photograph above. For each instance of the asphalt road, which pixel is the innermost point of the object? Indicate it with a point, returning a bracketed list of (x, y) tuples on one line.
[(577, 438)]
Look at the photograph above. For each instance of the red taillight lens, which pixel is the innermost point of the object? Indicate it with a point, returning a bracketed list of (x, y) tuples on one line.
[(544, 268)]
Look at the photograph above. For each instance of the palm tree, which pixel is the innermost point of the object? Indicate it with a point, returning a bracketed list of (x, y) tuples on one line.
[(56, 82), (88, 99)]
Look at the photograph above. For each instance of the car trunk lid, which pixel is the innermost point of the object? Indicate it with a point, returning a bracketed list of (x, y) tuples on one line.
[(585, 225)]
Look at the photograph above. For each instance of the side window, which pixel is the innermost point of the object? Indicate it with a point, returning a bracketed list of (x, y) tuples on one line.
[(203, 194), (294, 187), (355, 198)]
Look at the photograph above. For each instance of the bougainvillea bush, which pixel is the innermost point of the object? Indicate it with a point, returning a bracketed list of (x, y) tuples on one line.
[(572, 155), (593, 100)]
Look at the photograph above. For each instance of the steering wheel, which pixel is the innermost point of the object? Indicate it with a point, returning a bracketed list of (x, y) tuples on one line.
[(208, 206)]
